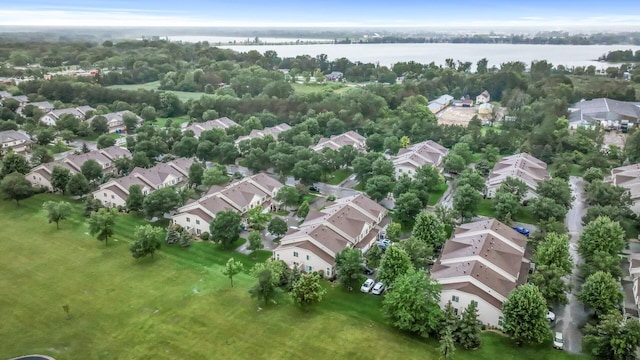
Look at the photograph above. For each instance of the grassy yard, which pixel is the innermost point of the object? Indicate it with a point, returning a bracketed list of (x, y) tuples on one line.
[(58, 147), (309, 88), (338, 176), (155, 85), (436, 194), (485, 208), (178, 305), (175, 122)]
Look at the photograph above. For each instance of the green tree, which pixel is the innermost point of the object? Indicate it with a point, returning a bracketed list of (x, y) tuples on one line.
[(91, 170), (160, 202), (394, 230), (105, 141), (472, 178), (12, 163), (99, 125), (465, 201), (470, 327), (525, 315), (447, 346), (514, 186), (420, 253), (147, 114), (592, 174), (288, 196), (412, 303), (454, 163), (60, 178), (147, 241), (307, 290), (604, 194), (601, 236), (15, 187), (349, 267), (265, 290), (613, 337), (277, 226), (303, 210), (407, 206), (505, 206), (556, 189), (379, 186), (429, 177), (101, 224), (57, 211), (135, 199), (225, 228), (554, 250), (255, 241), (215, 175), (196, 174), (395, 262), (232, 268), (429, 229), (545, 209), (257, 218), (40, 155), (601, 292), (450, 319)]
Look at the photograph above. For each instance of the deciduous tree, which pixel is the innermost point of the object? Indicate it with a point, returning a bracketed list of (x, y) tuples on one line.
[(225, 228), (91, 170), (303, 210), (307, 290), (288, 196), (60, 178), (255, 241), (379, 186), (525, 313), (412, 303), (12, 163), (265, 290), (429, 229), (277, 226), (395, 262), (349, 267), (147, 241), (57, 211), (407, 206), (465, 201), (613, 337), (15, 187), (135, 199), (232, 268), (160, 202), (601, 292), (101, 224)]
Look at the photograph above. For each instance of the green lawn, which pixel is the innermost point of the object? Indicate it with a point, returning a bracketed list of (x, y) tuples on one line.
[(155, 85), (309, 88), (175, 122), (338, 176), (178, 305), (485, 208), (58, 147), (436, 194)]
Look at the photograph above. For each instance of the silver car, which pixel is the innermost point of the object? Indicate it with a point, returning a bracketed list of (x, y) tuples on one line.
[(558, 340), (378, 288), (366, 287)]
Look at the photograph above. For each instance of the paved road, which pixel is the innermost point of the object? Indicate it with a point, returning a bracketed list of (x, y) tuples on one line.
[(447, 198), (572, 316)]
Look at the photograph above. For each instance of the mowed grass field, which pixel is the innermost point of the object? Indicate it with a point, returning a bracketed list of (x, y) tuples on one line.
[(177, 305), (155, 85)]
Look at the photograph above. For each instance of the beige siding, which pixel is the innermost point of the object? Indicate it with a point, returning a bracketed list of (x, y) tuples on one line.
[(108, 198), (193, 223), (313, 261), (487, 313)]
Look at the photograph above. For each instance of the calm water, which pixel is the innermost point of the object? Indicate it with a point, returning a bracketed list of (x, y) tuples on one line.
[(389, 54)]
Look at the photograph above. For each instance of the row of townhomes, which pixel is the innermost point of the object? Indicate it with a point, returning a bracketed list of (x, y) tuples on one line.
[(18, 141), (240, 196), (417, 155), (350, 222), (335, 142), (628, 177), (521, 166), (274, 131), (173, 173), (221, 123), (603, 111), (53, 116), (115, 120), (40, 176), (483, 261)]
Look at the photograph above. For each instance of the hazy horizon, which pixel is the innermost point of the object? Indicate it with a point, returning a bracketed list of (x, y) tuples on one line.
[(541, 15)]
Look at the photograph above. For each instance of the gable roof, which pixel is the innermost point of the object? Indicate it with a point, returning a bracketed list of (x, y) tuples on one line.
[(483, 258), (221, 123), (13, 135), (337, 141), (425, 153), (628, 177), (603, 109), (273, 131), (519, 166)]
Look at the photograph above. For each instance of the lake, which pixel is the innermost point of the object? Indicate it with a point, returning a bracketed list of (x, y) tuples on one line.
[(389, 54)]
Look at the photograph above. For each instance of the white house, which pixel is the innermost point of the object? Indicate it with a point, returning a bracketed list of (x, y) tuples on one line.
[(115, 121), (19, 141), (353, 222), (417, 155), (255, 191), (115, 192), (628, 177), (221, 123), (521, 166), (40, 176), (274, 131), (440, 103), (335, 142), (483, 262), (52, 117), (483, 98)]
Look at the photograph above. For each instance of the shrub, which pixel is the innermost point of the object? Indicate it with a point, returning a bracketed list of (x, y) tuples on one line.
[(331, 198), (321, 273), (204, 236)]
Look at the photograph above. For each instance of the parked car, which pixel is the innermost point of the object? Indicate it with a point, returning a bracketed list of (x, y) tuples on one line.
[(366, 287), (378, 288), (367, 270), (522, 230), (551, 316), (384, 243), (558, 340), (314, 188)]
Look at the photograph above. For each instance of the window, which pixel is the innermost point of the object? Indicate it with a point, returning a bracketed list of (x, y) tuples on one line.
[(309, 268), (500, 321), (308, 257), (197, 222), (104, 194), (113, 197), (455, 298), (198, 232), (277, 256), (34, 177), (188, 220), (328, 272), (295, 254), (455, 311)]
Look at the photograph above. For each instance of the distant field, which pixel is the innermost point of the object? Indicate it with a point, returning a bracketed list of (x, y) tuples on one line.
[(182, 95), (178, 305), (309, 88), (161, 122)]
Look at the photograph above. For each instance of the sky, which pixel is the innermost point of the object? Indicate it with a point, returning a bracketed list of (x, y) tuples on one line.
[(558, 14)]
